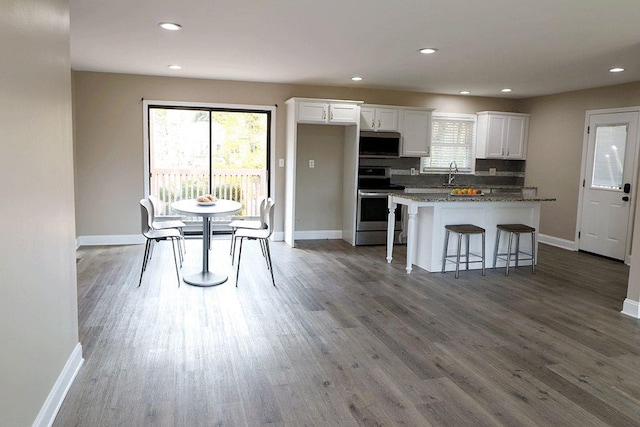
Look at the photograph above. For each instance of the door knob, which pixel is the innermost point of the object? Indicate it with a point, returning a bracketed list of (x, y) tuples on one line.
[(625, 198)]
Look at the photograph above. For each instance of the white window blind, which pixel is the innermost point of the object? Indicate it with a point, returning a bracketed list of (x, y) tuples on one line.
[(453, 139)]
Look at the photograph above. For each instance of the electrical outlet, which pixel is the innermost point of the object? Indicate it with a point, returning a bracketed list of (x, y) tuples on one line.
[(492, 171), (312, 164), (415, 171), (281, 163)]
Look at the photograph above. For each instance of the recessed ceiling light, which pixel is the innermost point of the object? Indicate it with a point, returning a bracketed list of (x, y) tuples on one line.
[(505, 90), (616, 70), (464, 92), (174, 67), (428, 50), (356, 79), (170, 26)]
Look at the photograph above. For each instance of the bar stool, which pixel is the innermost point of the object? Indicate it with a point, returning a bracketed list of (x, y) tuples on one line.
[(517, 230), (462, 230)]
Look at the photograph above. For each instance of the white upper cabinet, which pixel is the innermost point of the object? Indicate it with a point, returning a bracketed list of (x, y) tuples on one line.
[(416, 133), (502, 135), (378, 118), (327, 112)]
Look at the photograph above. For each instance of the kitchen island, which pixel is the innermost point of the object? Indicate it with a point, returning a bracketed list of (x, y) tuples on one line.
[(429, 213)]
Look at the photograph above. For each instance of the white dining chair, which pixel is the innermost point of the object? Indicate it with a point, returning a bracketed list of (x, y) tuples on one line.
[(161, 224), (262, 235), (250, 222), (153, 235)]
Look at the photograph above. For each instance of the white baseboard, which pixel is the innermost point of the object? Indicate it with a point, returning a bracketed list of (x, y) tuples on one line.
[(631, 308), (278, 236), (569, 245), (318, 234), (56, 396), (108, 240)]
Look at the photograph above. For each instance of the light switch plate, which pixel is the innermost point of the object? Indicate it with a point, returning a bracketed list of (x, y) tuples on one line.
[(312, 163), (281, 163), (492, 171)]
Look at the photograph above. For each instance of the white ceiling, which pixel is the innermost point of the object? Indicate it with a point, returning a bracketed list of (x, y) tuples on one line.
[(535, 47)]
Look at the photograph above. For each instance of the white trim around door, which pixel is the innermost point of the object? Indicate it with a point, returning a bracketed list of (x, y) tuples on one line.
[(590, 115)]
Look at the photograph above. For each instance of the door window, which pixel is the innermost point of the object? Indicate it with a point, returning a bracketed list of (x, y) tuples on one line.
[(608, 164)]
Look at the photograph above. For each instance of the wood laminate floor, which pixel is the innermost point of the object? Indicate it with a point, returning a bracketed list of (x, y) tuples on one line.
[(347, 339)]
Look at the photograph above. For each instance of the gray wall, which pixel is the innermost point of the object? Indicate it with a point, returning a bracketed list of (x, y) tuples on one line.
[(38, 308), (554, 155), (109, 146)]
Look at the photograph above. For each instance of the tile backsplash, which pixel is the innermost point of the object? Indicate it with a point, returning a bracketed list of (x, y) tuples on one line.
[(507, 172)]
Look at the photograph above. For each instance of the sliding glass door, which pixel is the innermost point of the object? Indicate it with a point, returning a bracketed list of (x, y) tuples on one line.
[(195, 151)]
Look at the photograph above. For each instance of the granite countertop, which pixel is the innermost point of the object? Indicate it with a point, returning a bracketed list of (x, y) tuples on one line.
[(461, 185), (430, 197)]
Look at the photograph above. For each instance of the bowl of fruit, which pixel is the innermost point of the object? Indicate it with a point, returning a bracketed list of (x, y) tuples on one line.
[(466, 192)]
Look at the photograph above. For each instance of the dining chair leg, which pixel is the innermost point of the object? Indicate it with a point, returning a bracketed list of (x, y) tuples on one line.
[(151, 247), (238, 266), (264, 253), (175, 242), (262, 248), (181, 249), (232, 246), (144, 261), (233, 254), (269, 263)]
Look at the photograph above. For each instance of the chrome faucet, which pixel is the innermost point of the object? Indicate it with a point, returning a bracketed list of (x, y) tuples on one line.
[(452, 172)]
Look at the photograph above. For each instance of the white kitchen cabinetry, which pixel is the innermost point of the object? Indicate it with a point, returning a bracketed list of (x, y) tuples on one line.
[(327, 112), (502, 135), (416, 133), (378, 118)]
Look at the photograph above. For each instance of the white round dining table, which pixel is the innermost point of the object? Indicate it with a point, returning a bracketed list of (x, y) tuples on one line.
[(191, 207)]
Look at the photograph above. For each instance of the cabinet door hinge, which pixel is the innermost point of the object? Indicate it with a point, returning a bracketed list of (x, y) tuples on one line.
[(579, 232), (588, 129), (583, 181)]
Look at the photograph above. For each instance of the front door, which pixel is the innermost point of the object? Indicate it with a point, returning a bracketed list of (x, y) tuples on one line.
[(608, 175)]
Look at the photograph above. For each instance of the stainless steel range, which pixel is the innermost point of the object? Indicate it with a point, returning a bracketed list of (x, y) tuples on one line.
[(374, 186)]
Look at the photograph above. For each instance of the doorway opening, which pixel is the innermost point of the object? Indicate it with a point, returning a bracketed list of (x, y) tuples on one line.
[(194, 149)]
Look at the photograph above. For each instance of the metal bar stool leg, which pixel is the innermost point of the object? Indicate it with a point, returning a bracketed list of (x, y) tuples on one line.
[(517, 249), (444, 251), (495, 250), (483, 254), (458, 255), (468, 251), (506, 272), (533, 252)]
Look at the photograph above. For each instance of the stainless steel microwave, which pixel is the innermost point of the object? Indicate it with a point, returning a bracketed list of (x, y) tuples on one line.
[(379, 144)]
